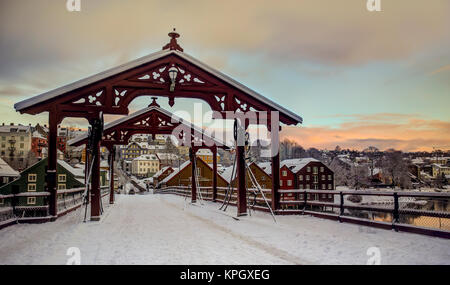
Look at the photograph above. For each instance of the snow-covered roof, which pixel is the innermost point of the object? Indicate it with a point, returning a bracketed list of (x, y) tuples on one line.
[(161, 171), (14, 129), (6, 170), (147, 157), (78, 172), (183, 166), (296, 164), (144, 60), (38, 135), (227, 173), (266, 166), (166, 155), (204, 151), (171, 175)]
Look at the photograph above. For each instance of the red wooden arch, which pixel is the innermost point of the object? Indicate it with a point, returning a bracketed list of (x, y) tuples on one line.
[(155, 120)]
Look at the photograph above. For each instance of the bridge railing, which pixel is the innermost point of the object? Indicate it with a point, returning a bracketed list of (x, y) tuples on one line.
[(67, 201), (418, 212), (256, 199)]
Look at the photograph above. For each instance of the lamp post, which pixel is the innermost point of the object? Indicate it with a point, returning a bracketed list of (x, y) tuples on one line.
[(173, 72)]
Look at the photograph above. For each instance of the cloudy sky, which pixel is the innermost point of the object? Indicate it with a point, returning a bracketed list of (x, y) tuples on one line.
[(358, 78)]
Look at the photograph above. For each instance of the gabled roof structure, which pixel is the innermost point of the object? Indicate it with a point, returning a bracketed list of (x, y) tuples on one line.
[(152, 120), (112, 90), (27, 105)]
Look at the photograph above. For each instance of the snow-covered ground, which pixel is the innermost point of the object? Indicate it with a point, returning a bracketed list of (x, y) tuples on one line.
[(166, 229)]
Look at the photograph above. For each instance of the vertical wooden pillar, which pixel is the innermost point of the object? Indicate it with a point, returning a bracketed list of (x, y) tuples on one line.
[(86, 171), (53, 121), (241, 187), (275, 181), (95, 183), (214, 175), (193, 179), (112, 155)]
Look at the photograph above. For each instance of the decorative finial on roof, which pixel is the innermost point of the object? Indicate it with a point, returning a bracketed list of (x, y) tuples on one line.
[(173, 45), (154, 102)]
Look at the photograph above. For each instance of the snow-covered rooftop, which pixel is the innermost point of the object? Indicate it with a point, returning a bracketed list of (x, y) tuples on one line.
[(147, 157), (296, 164), (266, 166), (77, 172), (6, 170)]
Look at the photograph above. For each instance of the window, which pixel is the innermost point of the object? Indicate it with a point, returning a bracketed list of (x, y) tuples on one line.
[(324, 186), (307, 177), (22, 139), (307, 186), (315, 170), (61, 186), (284, 173), (301, 197), (300, 177), (316, 178), (2, 201), (61, 178), (301, 186), (316, 186), (330, 196), (308, 169), (31, 187), (289, 183), (31, 200), (330, 186), (324, 196), (21, 145), (329, 177), (281, 182), (32, 177), (321, 169)]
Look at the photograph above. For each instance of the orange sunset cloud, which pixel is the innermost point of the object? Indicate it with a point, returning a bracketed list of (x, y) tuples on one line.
[(409, 134)]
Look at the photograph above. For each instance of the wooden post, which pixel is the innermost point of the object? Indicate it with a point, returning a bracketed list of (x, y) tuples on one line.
[(53, 121), (241, 187), (193, 179), (86, 171), (275, 180), (95, 183), (111, 174), (395, 214), (214, 175)]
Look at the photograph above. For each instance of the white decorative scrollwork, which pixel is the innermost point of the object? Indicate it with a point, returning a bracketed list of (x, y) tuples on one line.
[(118, 96)]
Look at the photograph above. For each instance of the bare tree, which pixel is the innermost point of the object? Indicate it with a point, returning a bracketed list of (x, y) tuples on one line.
[(359, 176), (395, 168), (342, 174)]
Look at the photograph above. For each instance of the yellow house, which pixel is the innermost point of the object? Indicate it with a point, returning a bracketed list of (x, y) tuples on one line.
[(145, 165), (438, 170), (207, 156)]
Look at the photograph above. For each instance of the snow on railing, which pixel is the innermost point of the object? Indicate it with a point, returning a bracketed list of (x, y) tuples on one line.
[(67, 200), (427, 211)]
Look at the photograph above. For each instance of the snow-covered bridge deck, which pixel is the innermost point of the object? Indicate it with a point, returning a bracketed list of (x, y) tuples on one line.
[(166, 229)]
